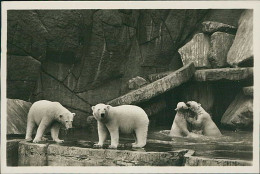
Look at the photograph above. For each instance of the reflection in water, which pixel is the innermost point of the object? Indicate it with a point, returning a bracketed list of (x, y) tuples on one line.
[(232, 145)]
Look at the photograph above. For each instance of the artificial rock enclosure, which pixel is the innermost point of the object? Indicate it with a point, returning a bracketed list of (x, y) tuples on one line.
[(150, 58)]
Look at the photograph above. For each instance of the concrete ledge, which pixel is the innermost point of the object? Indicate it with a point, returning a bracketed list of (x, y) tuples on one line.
[(12, 152), (30, 154), (190, 160), (57, 155), (232, 74)]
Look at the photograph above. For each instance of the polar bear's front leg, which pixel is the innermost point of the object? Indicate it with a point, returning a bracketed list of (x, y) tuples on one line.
[(102, 135), (40, 131), (114, 134), (55, 133)]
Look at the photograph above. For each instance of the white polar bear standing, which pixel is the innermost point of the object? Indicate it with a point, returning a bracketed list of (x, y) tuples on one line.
[(124, 118), (46, 114)]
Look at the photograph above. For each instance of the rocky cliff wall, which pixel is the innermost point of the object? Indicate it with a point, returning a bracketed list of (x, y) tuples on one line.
[(84, 57)]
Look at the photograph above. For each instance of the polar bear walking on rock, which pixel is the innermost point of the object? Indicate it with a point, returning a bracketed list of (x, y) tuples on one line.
[(46, 114), (124, 118), (202, 120)]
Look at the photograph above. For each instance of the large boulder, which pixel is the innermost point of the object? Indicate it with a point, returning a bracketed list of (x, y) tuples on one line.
[(17, 111), (241, 52), (239, 114), (220, 44), (196, 51), (136, 82)]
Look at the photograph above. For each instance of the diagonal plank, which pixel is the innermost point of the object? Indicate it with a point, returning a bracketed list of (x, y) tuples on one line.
[(156, 88)]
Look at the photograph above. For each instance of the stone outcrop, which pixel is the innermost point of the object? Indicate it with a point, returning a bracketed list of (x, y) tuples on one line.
[(239, 114), (241, 52), (210, 27), (22, 74), (220, 44), (156, 88), (248, 91), (17, 111), (196, 51), (136, 83)]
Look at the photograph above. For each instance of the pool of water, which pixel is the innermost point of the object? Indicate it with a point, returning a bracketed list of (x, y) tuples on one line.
[(232, 145)]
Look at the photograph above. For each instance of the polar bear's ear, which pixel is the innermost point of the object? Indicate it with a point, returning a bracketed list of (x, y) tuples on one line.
[(108, 106), (93, 107), (73, 114)]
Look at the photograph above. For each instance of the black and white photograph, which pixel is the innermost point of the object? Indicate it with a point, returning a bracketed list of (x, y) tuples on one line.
[(160, 88)]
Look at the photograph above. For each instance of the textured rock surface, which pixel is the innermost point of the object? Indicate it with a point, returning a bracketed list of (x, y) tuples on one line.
[(225, 16), (22, 74), (248, 91), (31, 154), (220, 44), (196, 51), (210, 27), (86, 53), (12, 152), (156, 88), (136, 82), (239, 114), (92, 123), (74, 156), (200, 161), (241, 52), (17, 111)]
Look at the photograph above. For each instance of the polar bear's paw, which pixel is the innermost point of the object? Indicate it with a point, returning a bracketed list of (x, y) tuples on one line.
[(59, 141), (37, 140), (97, 146), (44, 139), (28, 139), (112, 147)]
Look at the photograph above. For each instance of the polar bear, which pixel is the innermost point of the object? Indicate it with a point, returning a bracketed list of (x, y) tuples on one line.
[(180, 127), (124, 118), (202, 120), (46, 114)]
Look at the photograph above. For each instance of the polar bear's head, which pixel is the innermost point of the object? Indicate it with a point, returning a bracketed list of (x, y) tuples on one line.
[(66, 119), (100, 112), (194, 106), (181, 106)]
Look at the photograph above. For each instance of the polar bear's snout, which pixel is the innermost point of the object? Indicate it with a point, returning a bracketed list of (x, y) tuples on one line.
[(102, 115)]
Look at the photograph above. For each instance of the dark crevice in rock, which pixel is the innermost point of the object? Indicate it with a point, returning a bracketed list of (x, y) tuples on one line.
[(64, 85), (28, 54)]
